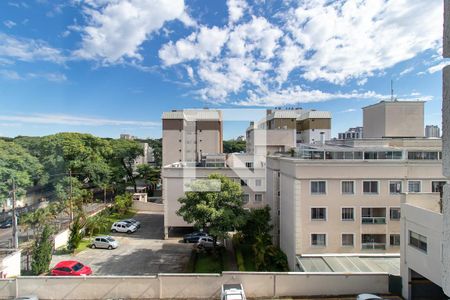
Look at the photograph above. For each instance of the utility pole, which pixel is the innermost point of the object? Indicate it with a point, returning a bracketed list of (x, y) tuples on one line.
[(14, 217), (70, 196)]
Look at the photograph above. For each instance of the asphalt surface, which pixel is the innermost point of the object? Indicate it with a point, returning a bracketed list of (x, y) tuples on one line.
[(141, 253)]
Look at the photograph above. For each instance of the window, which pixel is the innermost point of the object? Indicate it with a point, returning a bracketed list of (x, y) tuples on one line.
[(318, 187), (437, 186), (318, 239), (395, 187), (414, 186), (370, 187), (258, 182), (258, 197), (395, 213), (348, 187), (245, 198), (318, 213), (348, 214), (243, 182), (394, 240), (347, 239), (417, 241), (249, 165)]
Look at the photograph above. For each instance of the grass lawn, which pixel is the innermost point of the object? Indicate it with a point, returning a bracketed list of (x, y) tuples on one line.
[(249, 257), (83, 245), (208, 263)]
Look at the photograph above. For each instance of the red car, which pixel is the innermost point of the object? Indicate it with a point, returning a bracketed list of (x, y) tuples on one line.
[(71, 268)]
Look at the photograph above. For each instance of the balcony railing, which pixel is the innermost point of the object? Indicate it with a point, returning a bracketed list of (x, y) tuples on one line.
[(373, 220), (373, 246)]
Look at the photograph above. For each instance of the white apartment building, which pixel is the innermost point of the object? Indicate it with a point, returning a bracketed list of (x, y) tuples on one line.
[(314, 127), (351, 134), (422, 261), (343, 199), (190, 133), (247, 170), (432, 131)]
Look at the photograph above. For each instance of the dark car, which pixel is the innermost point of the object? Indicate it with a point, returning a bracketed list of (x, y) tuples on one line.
[(193, 237), (6, 224)]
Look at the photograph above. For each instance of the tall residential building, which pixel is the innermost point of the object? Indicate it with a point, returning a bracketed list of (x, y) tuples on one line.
[(189, 134), (351, 134), (394, 119), (432, 131), (345, 198), (314, 127)]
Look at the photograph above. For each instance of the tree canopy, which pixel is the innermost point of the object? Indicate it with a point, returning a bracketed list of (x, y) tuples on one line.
[(214, 205), (232, 146)]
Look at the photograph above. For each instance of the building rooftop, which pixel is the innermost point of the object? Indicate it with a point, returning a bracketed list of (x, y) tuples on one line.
[(349, 264), (193, 114), (315, 114), (394, 102)]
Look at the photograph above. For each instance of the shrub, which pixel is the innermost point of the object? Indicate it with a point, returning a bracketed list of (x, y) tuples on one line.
[(123, 203), (75, 236), (239, 259), (42, 252)]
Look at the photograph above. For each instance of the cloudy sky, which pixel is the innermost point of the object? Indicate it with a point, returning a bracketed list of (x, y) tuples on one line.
[(113, 66)]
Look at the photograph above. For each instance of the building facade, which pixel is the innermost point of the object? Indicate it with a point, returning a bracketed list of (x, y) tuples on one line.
[(351, 134), (432, 131)]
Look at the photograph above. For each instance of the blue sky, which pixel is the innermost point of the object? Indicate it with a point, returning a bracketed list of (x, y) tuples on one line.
[(111, 67)]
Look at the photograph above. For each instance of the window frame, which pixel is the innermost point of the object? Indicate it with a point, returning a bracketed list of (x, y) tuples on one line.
[(371, 193), (342, 240), (418, 246), (354, 214), (401, 187), (420, 186), (317, 194), (353, 188), (390, 240), (318, 233), (399, 213), (318, 207), (440, 181), (258, 201)]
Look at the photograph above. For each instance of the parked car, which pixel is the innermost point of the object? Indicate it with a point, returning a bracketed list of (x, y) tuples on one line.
[(123, 227), (232, 292), (30, 297), (71, 268), (133, 221), (6, 224), (193, 237), (206, 242), (368, 297), (106, 242)]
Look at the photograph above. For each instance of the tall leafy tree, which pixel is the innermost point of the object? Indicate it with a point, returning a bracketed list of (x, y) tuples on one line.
[(150, 175), (232, 146), (124, 153), (42, 252), (214, 205)]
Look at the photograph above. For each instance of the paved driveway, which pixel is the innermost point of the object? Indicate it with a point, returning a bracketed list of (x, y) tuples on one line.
[(141, 253)]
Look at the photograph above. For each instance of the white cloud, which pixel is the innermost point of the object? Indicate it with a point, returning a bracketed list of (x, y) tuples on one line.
[(28, 50), (438, 67), (9, 23), (406, 71), (9, 74), (13, 75), (316, 40), (73, 120), (117, 29), (348, 110), (236, 10)]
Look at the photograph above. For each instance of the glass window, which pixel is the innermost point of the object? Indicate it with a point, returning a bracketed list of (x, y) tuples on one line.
[(394, 239), (258, 197), (395, 187), (418, 241), (414, 186), (318, 213), (243, 182), (395, 213), (318, 187), (245, 198), (347, 240), (370, 187), (437, 186), (318, 239), (249, 164), (348, 214), (348, 187), (258, 182)]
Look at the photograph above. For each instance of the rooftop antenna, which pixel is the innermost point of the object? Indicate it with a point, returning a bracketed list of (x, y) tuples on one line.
[(392, 90)]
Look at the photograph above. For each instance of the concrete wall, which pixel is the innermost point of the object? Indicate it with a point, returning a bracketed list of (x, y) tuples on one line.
[(206, 286), (61, 238), (148, 206), (446, 150), (10, 265)]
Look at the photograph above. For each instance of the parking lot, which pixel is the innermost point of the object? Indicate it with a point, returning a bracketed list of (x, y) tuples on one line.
[(141, 253)]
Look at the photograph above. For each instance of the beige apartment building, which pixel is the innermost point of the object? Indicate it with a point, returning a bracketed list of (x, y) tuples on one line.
[(341, 199), (190, 133)]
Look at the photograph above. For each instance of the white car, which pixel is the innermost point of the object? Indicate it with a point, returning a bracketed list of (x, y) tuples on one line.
[(123, 227), (106, 242), (207, 242), (232, 292), (368, 297)]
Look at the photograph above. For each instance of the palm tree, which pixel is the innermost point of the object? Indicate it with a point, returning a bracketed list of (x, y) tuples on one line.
[(96, 224)]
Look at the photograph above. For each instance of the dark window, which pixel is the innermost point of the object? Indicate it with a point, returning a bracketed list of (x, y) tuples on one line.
[(348, 214), (318, 239), (347, 239), (318, 213), (370, 187), (318, 187), (394, 239), (395, 213), (395, 187), (437, 186), (418, 241), (348, 187)]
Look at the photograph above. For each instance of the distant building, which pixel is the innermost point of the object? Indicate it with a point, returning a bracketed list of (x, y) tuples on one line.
[(432, 131), (126, 136), (351, 134), (240, 138), (393, 119)]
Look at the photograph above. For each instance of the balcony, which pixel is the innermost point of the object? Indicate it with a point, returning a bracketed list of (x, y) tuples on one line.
[(373, 215), (373, 220), (373, 246), (373, 242)]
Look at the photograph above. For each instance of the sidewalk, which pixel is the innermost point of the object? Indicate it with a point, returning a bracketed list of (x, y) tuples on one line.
[(228, 243)]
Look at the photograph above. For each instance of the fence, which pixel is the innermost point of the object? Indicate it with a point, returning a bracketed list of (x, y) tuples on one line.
[(148, 206), (205, 286)]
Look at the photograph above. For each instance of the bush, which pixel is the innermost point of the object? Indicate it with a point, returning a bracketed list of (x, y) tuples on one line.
[(75, 236), (239, 259), (42, 252), (123, 203)]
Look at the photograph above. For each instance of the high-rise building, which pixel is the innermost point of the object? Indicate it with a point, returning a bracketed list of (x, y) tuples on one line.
[(189, 134), (432, 131)]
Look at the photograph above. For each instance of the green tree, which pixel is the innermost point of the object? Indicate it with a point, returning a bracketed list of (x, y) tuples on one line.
[(257, 226), (214, 205), (42, 252), (124, 153), (150, 175), (76, 235), (232, 146), (96, 224), (123, 203), (16, 163)]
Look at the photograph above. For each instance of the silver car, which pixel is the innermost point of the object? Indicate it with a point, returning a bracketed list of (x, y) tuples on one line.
[(105, 242)]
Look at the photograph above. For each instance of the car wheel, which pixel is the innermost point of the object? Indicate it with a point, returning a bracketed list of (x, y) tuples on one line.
[(109, 247), (113, 230), (93, 246), (129, 231)]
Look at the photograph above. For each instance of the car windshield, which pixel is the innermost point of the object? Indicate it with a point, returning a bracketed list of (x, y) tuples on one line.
[(128, 224), (77, 267), (110, 239)]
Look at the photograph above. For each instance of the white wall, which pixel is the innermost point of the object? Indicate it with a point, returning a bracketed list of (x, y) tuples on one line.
[(10, 265), (62, 238)]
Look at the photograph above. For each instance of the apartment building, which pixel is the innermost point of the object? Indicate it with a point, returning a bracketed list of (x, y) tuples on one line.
[(314, 127), (394, 119), (346, 199), (432, 131), (422, 262), (247, 170), (351, 134), (269, 141), (190, 133)]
